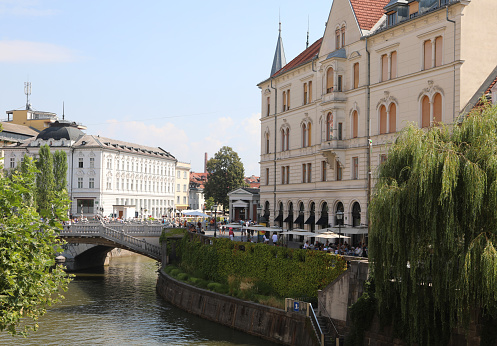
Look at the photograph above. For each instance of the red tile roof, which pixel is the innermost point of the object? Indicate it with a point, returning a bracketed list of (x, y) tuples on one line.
[(368, 12), (303, 58)]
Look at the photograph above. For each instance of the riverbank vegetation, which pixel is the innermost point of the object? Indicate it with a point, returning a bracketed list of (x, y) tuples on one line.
[(433, 234), (259, 272), (30, 216)]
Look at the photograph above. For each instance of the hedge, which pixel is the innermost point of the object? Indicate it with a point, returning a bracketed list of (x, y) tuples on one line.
[(288, 272)]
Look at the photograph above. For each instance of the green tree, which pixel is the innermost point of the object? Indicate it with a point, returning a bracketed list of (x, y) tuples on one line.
[(434, 228), (45, 180), (60, 170), (209, 202), (29, 282), (226, 173)]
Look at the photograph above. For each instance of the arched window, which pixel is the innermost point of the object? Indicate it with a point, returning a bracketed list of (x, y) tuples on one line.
[(355, 124), (312, 217), (343, 36), (437, 109), (329, 126), (283, 139), (300, 224), (280, 215), (289, 219), (337, 39), (304, 135), (339, 207), (309, 136), (267, 212), (287, 139), (383, 120), (356, 215), (392, 122), (329, 80), (425, 112), (323, 220)]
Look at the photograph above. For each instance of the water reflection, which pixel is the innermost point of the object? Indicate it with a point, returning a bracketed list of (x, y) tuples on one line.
[(118, 305)]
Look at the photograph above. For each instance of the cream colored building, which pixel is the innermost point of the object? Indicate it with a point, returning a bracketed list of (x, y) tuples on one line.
[(330, 113), (182, 183)]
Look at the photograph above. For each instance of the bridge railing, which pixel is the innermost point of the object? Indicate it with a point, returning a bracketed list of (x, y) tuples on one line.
[(138, 230), (116, 235)]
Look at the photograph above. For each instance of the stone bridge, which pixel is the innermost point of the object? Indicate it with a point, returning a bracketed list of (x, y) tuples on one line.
[(139, 238)]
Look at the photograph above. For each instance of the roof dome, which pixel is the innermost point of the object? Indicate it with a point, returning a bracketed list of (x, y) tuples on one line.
[(61, 130)]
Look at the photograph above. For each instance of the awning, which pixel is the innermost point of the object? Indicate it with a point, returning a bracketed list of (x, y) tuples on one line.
[(349, 230), (323, 221), (300, 219), (279, 218), (289, 218), (310, 220)]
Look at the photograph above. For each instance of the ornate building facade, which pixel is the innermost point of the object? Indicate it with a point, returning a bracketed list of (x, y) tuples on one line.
[(329, 115)]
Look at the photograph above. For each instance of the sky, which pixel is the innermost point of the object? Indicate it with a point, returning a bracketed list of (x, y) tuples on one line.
[(180, 75)]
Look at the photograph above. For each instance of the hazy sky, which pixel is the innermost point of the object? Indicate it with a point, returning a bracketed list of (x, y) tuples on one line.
[(178, 75)]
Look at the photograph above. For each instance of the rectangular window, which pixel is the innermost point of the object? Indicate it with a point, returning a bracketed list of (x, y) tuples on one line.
[(178, 188), (12, 162), (117, 183), (337, 39), (310, 92), (268, 106), (184, 187), (393, 65), (80, 163), (343, 36), (127, 184), (80, 183), (132, 184), (178, 175), (184, 175), (288, 99), (383, 158), (184, 200), (304, 172), (283, 175), (305, 93), (339, 86), (109, 185), (356, 75), (288, 174), (340, 128), (309, 172), (384, 67), (267, 176), (323, 170), (427, 55), (284, 101), (92, 162), (355, 168), (392, 18), (438, 51), (339, 170), (177, 199)]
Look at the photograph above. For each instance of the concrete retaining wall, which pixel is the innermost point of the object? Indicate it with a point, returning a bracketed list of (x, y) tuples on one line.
[(269, 323)]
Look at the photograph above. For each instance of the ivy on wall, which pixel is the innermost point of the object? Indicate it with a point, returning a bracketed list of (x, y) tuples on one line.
[(289, 272)]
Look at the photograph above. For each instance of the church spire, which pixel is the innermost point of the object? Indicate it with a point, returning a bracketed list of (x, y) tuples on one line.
[(279, 55)]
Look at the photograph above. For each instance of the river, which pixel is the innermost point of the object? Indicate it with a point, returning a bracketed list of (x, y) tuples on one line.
[(118, 305)]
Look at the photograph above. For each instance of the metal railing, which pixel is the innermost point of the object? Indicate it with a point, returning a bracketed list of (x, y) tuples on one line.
[(322, 309), (117, 236)]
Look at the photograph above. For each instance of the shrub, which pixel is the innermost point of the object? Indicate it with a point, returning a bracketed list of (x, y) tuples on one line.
[(183, 276)]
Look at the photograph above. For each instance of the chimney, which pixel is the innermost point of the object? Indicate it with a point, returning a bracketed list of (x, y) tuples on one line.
[(205, 163)]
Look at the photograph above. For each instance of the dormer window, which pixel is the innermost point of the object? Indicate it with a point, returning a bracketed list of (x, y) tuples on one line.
[(392, 18)]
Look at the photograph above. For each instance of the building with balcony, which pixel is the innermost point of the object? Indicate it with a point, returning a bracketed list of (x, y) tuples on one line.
[(328, 116)]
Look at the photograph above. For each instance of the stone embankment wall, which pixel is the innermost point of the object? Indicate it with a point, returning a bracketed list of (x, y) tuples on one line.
[(269, 323)]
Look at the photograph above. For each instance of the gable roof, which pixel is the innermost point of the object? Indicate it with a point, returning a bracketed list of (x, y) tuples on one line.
[(368, 12), (483, 90), (301, 59)]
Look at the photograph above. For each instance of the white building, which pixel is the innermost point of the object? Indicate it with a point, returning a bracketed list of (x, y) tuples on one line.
[(182, 186), (107, 176)]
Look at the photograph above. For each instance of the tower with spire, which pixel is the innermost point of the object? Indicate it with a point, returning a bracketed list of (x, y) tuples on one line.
[(279, 55)]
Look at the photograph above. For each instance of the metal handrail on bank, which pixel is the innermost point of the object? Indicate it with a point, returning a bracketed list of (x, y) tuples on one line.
[(323, 308)]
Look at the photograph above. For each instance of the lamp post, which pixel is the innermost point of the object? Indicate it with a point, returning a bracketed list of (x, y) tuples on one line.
[(215, 219), (339, 214)]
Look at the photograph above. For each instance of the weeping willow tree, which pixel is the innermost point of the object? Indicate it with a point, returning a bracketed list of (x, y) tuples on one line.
[(434, 228)]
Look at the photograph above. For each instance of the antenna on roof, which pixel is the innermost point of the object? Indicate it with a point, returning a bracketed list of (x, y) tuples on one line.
[(27, 91), (307, 42), (63, 113)]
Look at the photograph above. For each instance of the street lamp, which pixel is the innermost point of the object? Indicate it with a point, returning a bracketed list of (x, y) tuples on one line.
[(339, 214), (215, 219)]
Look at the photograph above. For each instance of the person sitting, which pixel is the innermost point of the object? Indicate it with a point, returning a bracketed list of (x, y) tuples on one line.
[(306, 245)]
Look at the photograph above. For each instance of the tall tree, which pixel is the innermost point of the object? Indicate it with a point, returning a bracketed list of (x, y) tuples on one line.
[(434, 228), (29, 282), (45, 180), (60, 170), (226, 173)]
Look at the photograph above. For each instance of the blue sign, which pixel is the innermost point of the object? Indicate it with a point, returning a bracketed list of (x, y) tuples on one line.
[(296, 306)]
